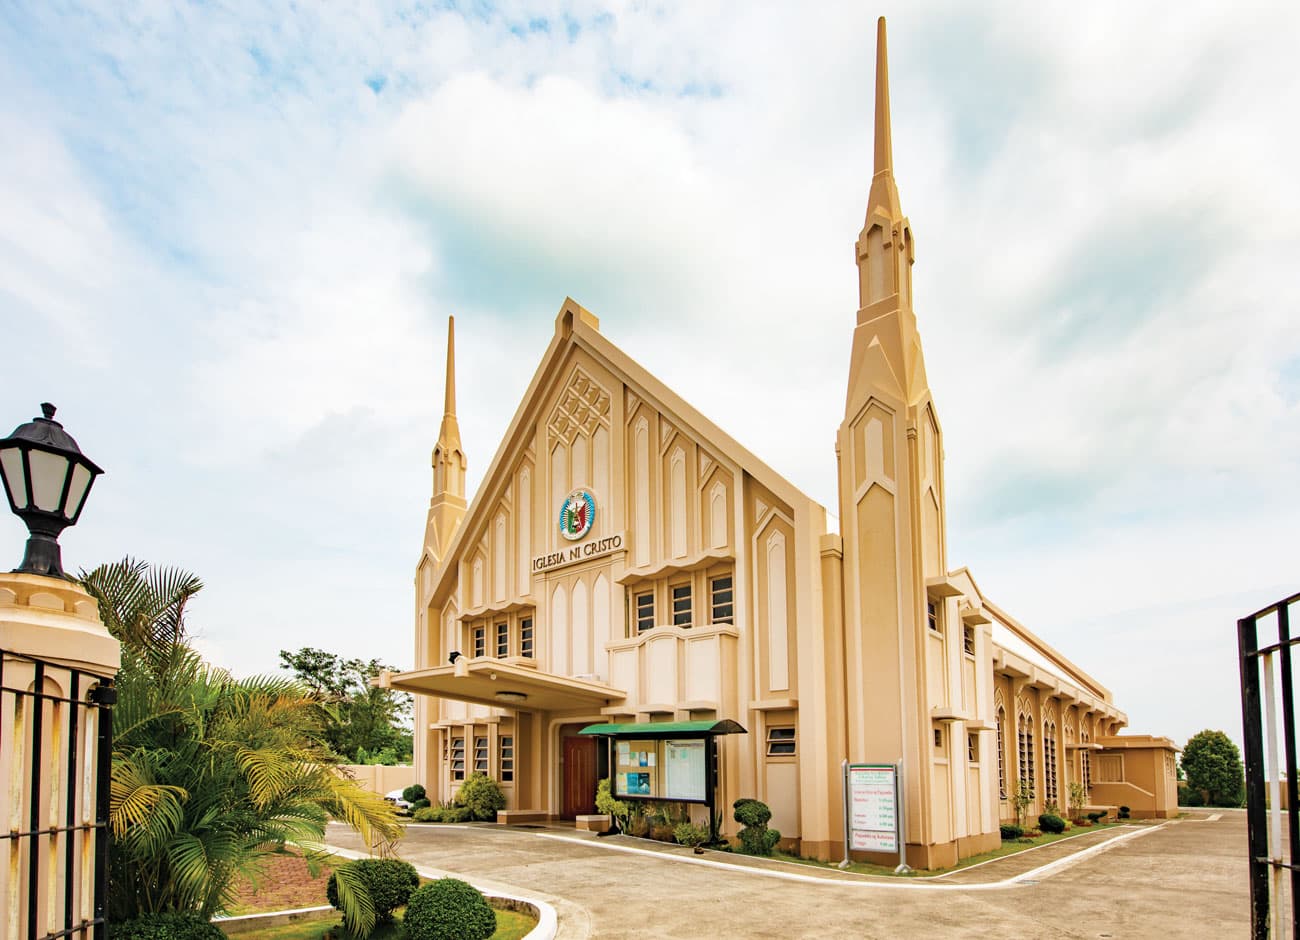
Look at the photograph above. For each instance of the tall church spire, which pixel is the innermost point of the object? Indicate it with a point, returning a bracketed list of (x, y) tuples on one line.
[(883, 200), (447, 507), (449, 432)]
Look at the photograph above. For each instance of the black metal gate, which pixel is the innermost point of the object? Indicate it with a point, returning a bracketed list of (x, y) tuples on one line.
[(1266, 676), (56, 730)]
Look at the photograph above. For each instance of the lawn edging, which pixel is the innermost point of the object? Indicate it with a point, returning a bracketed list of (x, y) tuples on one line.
[(247, 923)]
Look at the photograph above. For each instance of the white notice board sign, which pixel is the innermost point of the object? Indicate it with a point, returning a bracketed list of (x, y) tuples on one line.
[(873, 807), (684, 769)]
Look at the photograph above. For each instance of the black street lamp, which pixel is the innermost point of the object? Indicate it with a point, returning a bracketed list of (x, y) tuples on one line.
[(46, 479)]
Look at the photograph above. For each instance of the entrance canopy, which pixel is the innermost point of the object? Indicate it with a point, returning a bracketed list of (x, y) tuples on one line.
[(665, 729), (508, 685)]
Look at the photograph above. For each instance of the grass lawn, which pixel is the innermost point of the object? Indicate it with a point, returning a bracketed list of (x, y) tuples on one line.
[(1007, 848), (511, 925)]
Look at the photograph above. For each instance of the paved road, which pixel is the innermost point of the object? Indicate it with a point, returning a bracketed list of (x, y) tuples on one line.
[(1184, 879)]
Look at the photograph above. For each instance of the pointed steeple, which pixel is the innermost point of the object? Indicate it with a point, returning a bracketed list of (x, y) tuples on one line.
[(884, 191), (449, 432), (447, 506)]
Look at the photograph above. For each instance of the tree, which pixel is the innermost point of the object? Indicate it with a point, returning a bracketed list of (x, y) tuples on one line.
[(211, 775), (1212, 764), (367, 724)]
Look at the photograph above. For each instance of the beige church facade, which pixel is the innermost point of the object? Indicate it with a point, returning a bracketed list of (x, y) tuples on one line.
[(626, 562)]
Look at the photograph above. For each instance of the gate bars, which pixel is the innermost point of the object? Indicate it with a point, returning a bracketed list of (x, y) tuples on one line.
[(1264, 825), (41, 730)]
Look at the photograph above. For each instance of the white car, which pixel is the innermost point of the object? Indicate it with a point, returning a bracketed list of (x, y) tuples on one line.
[(395, 797)]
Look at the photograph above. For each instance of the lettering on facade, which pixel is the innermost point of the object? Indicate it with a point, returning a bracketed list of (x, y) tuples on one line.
[(596, 548)]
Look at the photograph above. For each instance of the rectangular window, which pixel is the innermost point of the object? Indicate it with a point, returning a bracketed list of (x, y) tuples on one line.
[(720, 600), (507, 761), (780, 742), (973, 748), (932, 615), (480, 756), (938, 739), (681, 605), (503, 641), (457, 758), (526, 638), (480, 641), (968, 640), (645, 611)]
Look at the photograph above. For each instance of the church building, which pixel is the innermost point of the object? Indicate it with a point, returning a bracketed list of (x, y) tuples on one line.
[(626, 564)]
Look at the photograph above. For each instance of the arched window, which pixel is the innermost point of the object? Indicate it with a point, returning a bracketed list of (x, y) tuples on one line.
[(1002, 750), (1050, 793), (1086, 762), (1025, 750)]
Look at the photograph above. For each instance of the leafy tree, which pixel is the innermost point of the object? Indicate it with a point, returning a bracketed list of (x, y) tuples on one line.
[(211, 774), (368, 725), (1212, 764)]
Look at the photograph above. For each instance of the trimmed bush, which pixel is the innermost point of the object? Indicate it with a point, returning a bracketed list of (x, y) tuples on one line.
[(481, 795), (1011, 831), (1050, 822), (445, 813), (420, 804), (689, 834), (1123, 812), (414, 793), (171, 926), (388, 881), (755, 838), (448, 909), (616, 810), (1095, 816)]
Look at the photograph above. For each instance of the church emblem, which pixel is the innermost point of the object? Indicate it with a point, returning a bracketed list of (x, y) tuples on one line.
[(577, 514)]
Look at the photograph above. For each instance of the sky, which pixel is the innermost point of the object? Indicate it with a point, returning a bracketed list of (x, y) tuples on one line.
[(230, 236)]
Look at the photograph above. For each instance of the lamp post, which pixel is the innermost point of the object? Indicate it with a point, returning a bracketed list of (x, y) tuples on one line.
[(47, 479)]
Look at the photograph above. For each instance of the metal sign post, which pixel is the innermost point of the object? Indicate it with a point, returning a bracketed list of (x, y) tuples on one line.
[(873, 811)]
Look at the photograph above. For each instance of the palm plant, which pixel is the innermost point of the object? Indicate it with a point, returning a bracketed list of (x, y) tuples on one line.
[(212, 774)]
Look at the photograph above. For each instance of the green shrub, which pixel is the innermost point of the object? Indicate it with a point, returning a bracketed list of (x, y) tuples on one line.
[(1050, 822), (1011, 831), (1096, 816), (446, 813), (690, 834), (428, 814), (755, 837), (420, 804), (616, 810), (388, 881), (414, 793), (1123, 812), (448, 909), (481, 795), (171, 926)]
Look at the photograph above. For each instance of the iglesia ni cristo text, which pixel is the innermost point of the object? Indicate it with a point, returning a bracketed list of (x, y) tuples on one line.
[(626, 564)]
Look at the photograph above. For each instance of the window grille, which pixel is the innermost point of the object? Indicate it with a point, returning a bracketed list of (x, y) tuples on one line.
[(645, 611), (526, 638), (722, 608), (457, 758), (480, 641), (503, 640), (681, 605), (780, 742), (480, 756), (1002, 751), (507, 758), (968, 641)]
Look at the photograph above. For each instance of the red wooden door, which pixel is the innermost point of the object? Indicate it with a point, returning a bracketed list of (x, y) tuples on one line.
[(579, 787)]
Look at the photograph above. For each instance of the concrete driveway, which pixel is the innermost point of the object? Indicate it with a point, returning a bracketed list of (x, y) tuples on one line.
[(1184, 879)]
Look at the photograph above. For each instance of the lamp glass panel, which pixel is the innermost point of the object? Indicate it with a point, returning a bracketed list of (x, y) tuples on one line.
[(11, 466), (48, 473), (77, 491)]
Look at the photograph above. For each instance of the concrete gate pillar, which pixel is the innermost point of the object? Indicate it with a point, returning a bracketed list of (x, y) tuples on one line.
[(55, 658)]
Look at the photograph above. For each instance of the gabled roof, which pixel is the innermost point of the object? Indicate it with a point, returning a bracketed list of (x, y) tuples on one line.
[(1056, 660), (576, 327)]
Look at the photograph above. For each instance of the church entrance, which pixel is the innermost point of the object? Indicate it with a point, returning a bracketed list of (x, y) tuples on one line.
[(578, 779)]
